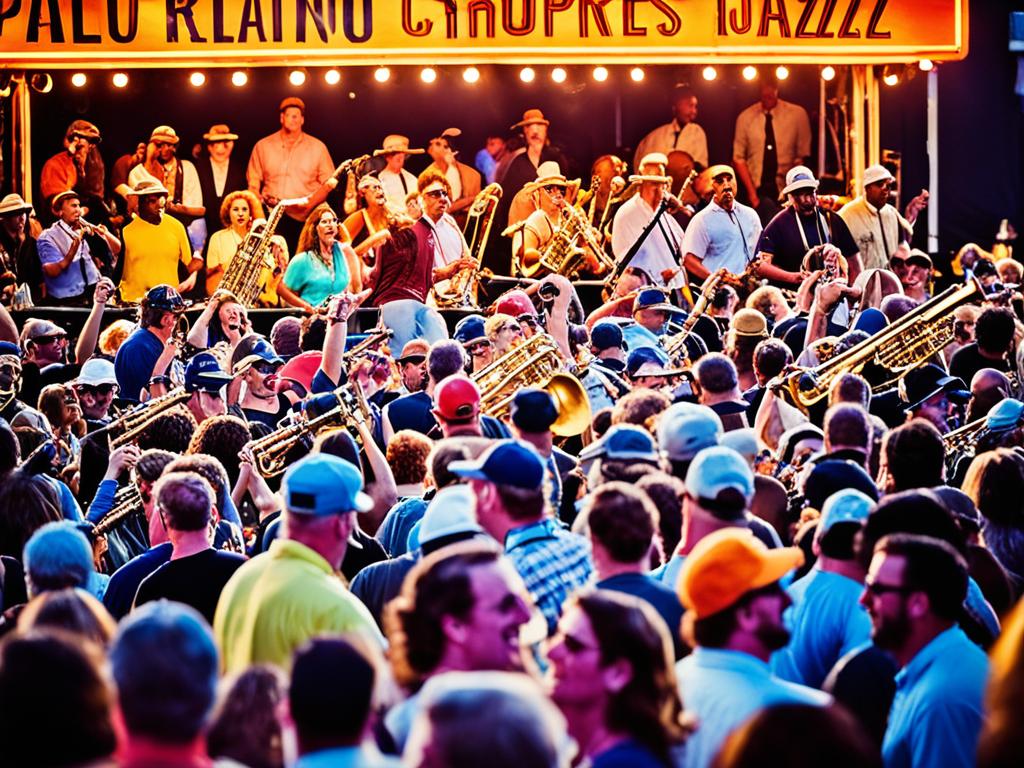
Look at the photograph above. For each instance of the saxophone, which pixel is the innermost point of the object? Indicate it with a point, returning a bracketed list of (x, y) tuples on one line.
[(128, 426), (565, 253), (463, 288), (245, 270), (675, 345), (897, 349)]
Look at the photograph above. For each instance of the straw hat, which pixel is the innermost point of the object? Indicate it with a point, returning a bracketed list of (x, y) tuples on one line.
[(548, 172), (395, 144), (164, 133), (14, 203), (220, 132), (148, 186), (652, 158), (531, 117), (717, 170)]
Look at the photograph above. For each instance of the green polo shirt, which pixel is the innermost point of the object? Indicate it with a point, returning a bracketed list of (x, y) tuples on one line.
[(279, 600)]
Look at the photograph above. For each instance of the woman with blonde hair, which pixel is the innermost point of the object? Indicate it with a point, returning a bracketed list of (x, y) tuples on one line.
[(324, 265)]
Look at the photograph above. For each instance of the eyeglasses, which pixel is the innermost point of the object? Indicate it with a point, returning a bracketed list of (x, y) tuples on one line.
[(44, 340), (512, 327), (878, 589), (266, 368), (437, 194), (550, 188), (97, 390)]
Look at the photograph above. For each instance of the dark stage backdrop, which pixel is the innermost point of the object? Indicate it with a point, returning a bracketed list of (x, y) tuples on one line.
[(980, 117)]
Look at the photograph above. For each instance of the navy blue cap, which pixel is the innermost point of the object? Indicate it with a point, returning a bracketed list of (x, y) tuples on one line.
[(652, 298), (508, 462), (831, 476), (871, 321), (639, 356), (925, 382), (203, 372), (470, 329), (605, 335), (166, 298), (253, 349), (533, 410), (10, 348)]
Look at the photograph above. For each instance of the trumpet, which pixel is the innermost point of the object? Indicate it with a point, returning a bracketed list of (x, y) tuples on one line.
[(271, 453)]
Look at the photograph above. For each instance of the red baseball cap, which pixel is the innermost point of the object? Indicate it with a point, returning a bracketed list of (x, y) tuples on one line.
[(299, 370), (515, 303), (457, 399)]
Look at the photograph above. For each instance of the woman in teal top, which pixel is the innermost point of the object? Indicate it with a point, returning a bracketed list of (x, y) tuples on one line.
[(323, 266)]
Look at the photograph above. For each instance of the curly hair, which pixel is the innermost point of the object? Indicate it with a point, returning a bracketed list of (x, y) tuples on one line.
[(407, 454), (308, 240), (171, 431), (648, 706), (244, 726), (223, 438), (431, 176), (639, 407), (114, 335), (255, 206), (438, 586)]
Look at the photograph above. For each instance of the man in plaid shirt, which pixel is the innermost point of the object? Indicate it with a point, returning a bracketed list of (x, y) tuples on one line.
[(512, 505)]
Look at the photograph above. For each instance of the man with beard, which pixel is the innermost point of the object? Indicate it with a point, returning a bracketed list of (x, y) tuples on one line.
[(799, 227), (730, 588), (914, 593), (725, 233), (522, 170), (461, 609)]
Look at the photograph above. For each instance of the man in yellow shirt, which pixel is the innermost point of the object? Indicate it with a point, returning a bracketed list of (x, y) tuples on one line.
[(292, 592), (153, 246)]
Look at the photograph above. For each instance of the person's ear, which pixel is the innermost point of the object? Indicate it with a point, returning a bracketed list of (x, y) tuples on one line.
[(617, 675)]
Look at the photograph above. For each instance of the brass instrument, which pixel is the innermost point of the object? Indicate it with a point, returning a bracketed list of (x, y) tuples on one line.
[(534, 363), (374, 338), (133, 423), (675, 345), (127, 502), (271, 452), (463, 288), (243, 273), (963, 441), (898, 349), (564, 254)]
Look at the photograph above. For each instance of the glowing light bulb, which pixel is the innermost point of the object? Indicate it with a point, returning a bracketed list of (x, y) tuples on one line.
[(297, 77), (197, 79), (600, 74), (332, 77), (382, 75), (781, 72), (926, 65), (471, 75), (828, 74), (636, 74), (526, 74), (559, 75), (239, 78), (709, 73), (749, 72), (428, 74), (79, 79), (120, 80)]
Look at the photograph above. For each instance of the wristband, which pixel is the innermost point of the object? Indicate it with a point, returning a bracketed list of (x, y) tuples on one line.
[(165, 380)]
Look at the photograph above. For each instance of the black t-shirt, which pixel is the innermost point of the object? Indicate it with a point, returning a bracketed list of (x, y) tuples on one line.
[(782, 240), (967, 361), (196, 580)]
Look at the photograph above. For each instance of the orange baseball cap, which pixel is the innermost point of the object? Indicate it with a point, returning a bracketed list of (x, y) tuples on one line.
[(727, 564)]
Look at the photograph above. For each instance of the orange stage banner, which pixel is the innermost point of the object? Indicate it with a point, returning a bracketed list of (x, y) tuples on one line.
[(168, 33)]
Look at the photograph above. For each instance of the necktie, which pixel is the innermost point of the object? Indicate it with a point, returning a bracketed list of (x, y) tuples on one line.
[(770, 162)]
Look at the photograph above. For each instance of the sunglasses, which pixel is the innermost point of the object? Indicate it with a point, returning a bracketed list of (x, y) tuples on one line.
[(413, 360), (99, 390), (878, 589), (437, 194), (479, 348), (549, 188), (162, 144), (266, 368), (45, 340)]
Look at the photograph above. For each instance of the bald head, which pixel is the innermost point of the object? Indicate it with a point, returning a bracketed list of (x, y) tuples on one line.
[(988, 387)]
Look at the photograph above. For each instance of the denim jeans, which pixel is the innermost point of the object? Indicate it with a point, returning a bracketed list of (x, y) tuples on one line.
[(410, 320)]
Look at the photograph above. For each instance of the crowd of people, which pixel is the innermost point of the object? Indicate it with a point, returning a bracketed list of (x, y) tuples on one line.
[(760, 506)]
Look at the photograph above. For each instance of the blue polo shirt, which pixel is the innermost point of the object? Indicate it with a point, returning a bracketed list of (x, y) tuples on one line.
[(826, 622), (937, 712), (53, 243), (134, 362)]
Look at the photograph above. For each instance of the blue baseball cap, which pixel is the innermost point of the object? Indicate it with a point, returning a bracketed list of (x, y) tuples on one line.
[(652, 298), (251, 350), (605, 335), (622, 442), (870, 321), (1005, 415), (640, 357), (203, 372), (508, 462), (321, 484), (534, 410), (686, 428), (166, 298), (470, 330), (718, 469), (846, 506), (11, 349)]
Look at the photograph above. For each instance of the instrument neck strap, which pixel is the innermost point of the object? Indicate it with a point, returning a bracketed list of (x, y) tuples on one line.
[(743, 235), (820, 225)]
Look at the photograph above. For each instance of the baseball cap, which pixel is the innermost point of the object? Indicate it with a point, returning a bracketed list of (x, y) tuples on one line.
[(9, 349), (415, 348), (451, 512), (686, 428), (743, 441), (1005, 415), (726, 565), (925, 382), (38, 328), (799, 177), (652, 298), (845, 506), (622, 442), (834, 475), (321, 484), (870, 321), (250, 350), (533, 410), (508, 462), (166, 298), (203, 373), (646, 356), (457, 399), (292, 101), (299, 370), (605, 335), (715, 471), (96, 371), (470, 330), (515, 303)]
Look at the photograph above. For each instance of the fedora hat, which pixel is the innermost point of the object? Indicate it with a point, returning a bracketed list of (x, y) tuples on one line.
[(14, 203), (220, 132), (799, 177), (164, 133), (652, 158), (548, 172), (148, 186), (531, 117), (394, 144), (60, 197)]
